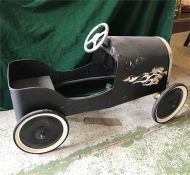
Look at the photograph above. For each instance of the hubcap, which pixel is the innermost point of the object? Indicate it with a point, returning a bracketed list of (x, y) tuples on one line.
[(41, 132)]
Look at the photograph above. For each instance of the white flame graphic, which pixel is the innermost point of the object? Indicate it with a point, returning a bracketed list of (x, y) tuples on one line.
[(148, 79)]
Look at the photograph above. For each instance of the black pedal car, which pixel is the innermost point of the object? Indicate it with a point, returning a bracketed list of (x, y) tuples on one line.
[(120, 69)]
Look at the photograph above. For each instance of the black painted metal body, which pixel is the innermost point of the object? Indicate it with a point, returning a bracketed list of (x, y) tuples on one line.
[(126, 68)]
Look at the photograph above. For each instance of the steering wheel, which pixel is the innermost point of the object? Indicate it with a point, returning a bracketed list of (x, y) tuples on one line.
[(94, 39)]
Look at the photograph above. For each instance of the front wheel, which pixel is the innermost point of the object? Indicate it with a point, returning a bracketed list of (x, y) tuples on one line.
[(41, 131), (169, 103)]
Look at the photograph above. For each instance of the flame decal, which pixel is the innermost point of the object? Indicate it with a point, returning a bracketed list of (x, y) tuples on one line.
[(148, 79)]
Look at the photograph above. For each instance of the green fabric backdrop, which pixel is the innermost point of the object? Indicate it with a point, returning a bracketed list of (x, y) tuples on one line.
[(54, 31)]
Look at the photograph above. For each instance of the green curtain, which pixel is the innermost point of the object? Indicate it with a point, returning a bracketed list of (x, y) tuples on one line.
[(54, 31)]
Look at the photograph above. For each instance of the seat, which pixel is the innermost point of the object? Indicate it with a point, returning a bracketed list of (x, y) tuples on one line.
[(42, 81)]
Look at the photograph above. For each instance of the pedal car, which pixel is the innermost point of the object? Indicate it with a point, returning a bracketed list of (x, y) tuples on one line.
[(121, 69)]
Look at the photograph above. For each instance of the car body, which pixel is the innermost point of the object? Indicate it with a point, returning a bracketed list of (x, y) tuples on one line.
[(124, 69)]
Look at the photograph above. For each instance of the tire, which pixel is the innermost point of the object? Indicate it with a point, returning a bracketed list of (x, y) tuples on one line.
[(169, 103), (41, 131)]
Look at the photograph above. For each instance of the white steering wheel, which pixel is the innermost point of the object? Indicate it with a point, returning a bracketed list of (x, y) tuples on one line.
[(94, 41)]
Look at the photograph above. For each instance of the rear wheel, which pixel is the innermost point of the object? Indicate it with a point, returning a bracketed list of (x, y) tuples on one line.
[(41, 131), (169, 103)]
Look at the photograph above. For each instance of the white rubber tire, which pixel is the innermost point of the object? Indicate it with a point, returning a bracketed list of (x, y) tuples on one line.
[(182, 102), (35, 114)]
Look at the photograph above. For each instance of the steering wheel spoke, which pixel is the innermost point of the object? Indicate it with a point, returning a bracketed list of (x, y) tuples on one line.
[(102, 33), (90, 41)]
